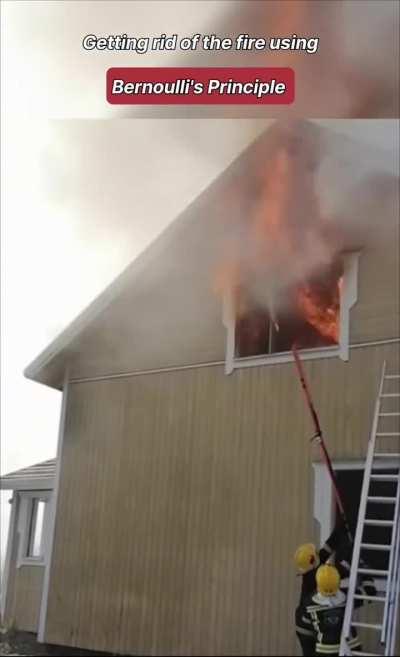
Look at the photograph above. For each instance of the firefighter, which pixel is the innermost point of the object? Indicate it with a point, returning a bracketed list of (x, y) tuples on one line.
[(324, 613), (308, 559), (337, 549)]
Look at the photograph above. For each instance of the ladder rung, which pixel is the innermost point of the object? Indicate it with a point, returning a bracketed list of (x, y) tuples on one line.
[(389, 414), (391, 394), (373, 571), (384, 477), (378, 523), (388, 433), (365, 654), (375, 546), (387, 455), (392, 376), (374, 598), (372, 626), (381, 500)]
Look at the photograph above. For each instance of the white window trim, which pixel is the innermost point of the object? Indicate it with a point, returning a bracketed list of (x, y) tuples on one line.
[(348, 297), (324, 496), (23, 525)]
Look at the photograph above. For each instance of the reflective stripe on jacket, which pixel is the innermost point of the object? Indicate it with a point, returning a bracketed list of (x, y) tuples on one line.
[(326, 615)]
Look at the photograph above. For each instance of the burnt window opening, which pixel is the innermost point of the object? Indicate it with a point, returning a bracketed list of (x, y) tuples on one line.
[(309, 316)]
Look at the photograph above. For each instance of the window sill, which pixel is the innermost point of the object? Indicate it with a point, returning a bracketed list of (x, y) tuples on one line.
[(285, 357)]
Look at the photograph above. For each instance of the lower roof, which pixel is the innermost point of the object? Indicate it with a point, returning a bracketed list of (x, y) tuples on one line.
[(35, 477)]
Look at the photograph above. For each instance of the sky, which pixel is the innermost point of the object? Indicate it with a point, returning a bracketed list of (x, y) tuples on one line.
[(80, 199), (85, 190)]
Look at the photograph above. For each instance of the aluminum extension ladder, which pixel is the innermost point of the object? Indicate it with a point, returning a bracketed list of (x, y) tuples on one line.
[(386, 603)]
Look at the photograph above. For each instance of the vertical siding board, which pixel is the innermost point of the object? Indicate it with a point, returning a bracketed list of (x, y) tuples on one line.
[(147, 429), (250, 555), (67, 545), (205, 443), (260, 617), (274, 475), (217, 405), (195, 538), (205, 447), (114, 583), (176, 489), (177, 483), (164, 549), (96, 494), (153, 453), (235, 462), (92, 508), (138, 608), (183, 501), (129, 539), (76, 543)]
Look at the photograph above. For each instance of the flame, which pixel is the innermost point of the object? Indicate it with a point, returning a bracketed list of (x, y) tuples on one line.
[(283, 258), (321, 311)]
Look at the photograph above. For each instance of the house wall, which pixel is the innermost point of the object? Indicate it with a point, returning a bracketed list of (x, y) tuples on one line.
[(24, 591), (376, 315), (183, 496)]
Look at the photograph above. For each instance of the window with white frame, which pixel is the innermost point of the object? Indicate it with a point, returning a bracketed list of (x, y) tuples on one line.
[(33, 523), (315, 315), (34, 547)]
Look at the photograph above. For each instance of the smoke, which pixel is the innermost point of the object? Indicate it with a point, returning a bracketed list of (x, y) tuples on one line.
[(314, 194), (353, 74)]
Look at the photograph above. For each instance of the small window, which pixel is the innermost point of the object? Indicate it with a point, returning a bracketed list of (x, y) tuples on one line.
[(34, 549), (32, 527), (307, 314)]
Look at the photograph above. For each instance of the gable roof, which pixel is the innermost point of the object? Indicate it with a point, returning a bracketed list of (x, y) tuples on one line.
[(162, 311), (35, 477)]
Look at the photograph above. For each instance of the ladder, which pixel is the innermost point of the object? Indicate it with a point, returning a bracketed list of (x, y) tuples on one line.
[(386, 604)]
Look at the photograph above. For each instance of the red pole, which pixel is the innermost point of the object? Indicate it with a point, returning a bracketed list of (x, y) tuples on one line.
[(319, 437)]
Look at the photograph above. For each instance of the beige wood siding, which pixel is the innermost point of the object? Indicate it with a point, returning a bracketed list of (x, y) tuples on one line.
[(24, 594), (183, 496), (376, 315)]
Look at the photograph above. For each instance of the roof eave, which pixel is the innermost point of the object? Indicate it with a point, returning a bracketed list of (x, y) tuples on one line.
[(19, 483)]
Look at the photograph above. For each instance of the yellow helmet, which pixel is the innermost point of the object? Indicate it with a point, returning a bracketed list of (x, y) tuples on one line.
[(328, 580), (306, 558)]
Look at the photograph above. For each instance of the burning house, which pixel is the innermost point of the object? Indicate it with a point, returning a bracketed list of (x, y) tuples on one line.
[(185, 478)]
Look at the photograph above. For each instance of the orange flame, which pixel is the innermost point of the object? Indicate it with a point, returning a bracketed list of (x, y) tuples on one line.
[(284, 253), (322, 313)]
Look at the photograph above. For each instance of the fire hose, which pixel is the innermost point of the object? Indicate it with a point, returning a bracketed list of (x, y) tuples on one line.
[(318, 437)]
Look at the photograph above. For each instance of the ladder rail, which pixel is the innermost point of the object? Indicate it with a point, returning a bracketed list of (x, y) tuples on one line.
[(393, 559), (393, 609), (396, 606), (391, 626), (346, 630)]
